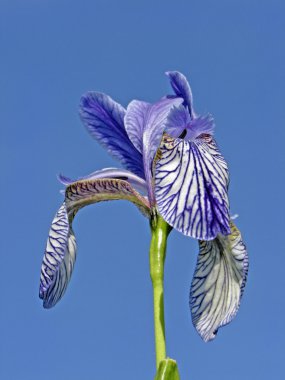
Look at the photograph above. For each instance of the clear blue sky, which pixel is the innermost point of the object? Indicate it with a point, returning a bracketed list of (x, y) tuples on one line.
[(52, 51)]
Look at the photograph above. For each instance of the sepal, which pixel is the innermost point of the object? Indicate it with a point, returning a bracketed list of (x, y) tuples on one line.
[(60, 253), (59, 259), (218, 283), (191, 187)]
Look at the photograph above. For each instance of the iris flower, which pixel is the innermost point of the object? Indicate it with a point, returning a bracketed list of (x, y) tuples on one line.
[(172, 168)]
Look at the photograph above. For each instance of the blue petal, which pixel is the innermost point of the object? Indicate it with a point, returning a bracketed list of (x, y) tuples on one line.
[(104, 119), (114, 173), (191, 182), (60, 253), (198, 126), (134, 122), (177, 121), (179, 124), (182, 89), (218, 283), (148, 120)]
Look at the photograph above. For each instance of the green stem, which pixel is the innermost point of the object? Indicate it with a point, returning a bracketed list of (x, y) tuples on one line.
[(160, 230)]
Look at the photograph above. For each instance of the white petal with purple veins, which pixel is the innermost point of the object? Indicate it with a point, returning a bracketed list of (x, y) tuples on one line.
[(191, 180), (218, 282)]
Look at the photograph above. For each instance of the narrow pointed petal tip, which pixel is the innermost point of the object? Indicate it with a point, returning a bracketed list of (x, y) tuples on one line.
[(182, 89), (64, 180), (191, 182), (218, 283), (104, 120)]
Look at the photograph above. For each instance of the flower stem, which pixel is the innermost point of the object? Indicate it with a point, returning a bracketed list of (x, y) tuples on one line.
[(160, 230)]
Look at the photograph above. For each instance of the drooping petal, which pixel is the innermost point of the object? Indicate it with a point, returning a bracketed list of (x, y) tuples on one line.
[(149, 118), (138, 183), (60, 253), (182, 89), (191, 181), (104, 119), (85, 192), (218, 282), (59, 259)]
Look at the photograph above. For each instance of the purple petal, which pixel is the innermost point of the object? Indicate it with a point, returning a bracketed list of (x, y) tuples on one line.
[(191, 182), (198, 126), (114, 173), (104, 119), (149, 118), (179, 124), (60, 253), (177, 121), (182, 89), (218, 282), (134, 122)]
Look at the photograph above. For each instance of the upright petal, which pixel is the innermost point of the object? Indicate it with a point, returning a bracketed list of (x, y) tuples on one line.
[(60, 253), (134, 122), (148, 119), (191, 180), (104, 119), (218, 282), (182, 89)]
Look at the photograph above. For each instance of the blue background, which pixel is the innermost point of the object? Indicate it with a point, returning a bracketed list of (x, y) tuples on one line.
[(52, 51)]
